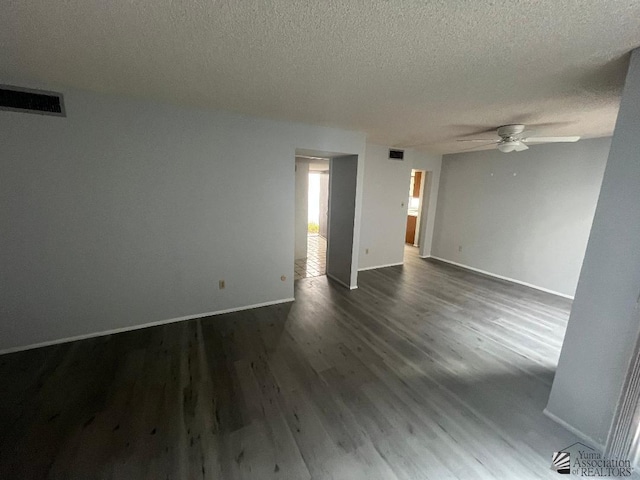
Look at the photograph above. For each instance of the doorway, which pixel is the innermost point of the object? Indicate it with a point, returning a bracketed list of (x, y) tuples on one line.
[(415, 210), (337, 234), (311, 220)]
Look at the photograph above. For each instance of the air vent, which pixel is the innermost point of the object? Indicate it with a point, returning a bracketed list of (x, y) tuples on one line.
[(396, 154), (17, 99)]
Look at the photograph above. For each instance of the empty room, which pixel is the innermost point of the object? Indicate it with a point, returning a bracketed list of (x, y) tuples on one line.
[(297, 240)]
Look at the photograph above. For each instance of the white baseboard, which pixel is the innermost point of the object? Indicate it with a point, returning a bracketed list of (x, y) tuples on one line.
[(380, 266), (501, 277), (424, 256), (337, 280), (144, 325), (573, 430)]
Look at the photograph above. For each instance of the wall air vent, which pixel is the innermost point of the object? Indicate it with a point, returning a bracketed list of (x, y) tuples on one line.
[(396, 154), (18, 99)]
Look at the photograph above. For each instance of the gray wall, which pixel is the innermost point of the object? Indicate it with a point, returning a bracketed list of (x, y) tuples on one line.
[(524, 216), (342, 207), (129, 212), (605, 317)]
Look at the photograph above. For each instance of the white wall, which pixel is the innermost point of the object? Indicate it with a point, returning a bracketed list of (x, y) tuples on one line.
[(384, 210), (605, 317), (301, 208), (524, 216), (129, 212)]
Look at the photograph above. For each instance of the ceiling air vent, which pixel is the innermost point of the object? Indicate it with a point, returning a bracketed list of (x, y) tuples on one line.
[(396, 154), (17, 99)]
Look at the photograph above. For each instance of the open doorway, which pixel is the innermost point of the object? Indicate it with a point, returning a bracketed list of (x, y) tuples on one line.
[(312, 176), (415, 210), (336, 176)]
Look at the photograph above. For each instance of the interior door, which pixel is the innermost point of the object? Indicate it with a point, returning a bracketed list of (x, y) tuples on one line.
[(324, 203), (342, 206)]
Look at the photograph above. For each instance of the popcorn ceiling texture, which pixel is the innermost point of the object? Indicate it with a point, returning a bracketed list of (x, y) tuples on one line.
[(405, 72)]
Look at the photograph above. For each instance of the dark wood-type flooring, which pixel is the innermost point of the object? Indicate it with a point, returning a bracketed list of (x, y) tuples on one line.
[(426, 371)]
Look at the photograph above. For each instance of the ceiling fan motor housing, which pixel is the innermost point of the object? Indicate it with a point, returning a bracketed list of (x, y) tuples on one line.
[(510, 130)]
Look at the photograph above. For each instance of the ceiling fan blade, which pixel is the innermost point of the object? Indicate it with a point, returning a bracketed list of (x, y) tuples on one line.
[(550, 139), (477, 140), (477, 146), (529, 134), (520, 147), (473, 129)]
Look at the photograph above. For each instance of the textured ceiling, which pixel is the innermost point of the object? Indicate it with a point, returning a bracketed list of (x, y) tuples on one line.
[(405, 72)]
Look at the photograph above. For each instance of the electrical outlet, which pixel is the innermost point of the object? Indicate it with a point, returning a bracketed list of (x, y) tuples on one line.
[(459, 248), (366, 251), (221, 285), (283, 278)]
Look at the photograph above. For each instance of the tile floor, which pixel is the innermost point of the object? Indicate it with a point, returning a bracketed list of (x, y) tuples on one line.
[(315, 263)]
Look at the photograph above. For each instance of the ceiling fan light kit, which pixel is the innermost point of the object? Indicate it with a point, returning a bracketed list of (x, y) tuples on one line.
[(514, 138), (507, 147)]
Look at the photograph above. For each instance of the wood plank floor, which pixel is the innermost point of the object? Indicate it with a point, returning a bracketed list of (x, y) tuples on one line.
[(426, 371)]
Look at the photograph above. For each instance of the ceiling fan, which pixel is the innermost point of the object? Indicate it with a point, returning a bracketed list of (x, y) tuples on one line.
[(515, 138)]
